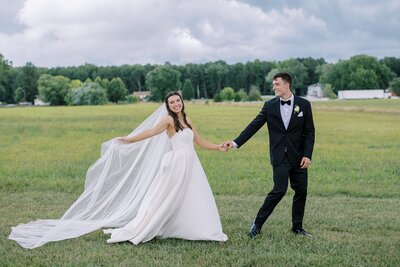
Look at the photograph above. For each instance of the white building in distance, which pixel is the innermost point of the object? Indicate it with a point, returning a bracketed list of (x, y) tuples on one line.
[(315, 91), (363, 94)]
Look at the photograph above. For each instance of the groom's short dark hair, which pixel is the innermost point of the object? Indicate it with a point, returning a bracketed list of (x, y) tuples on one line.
[(285, 76)]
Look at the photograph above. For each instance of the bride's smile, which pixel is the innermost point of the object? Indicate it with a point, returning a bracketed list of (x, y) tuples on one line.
[(175, 104)]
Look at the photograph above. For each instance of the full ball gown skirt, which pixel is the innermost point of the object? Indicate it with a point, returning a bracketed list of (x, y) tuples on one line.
[(179, 202)]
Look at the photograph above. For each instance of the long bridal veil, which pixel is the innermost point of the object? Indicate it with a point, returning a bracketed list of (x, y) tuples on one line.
[(114, 188)]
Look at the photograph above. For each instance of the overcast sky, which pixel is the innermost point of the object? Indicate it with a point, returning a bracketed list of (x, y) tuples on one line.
[(53, 33)]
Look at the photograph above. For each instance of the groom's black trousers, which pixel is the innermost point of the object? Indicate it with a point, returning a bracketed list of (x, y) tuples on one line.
[(298, 181)]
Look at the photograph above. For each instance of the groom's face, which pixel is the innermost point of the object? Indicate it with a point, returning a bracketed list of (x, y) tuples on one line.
[(281, 87)]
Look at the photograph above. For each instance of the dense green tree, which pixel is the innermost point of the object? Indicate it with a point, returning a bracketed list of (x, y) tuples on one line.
[(237, 76), (105, 72), (26, 80), (88, 80), (103, 82), (5, 76), (73, 85), (363, 79), (393, 64), (217, 97), (183, 71), (132, 99), (19, 95), (188, 90), (138, 77), (311, 65), (78, 73), (256, 72), (216, 73), (116, 90), (254, 94), (359, 72), (324, 71), (11, 87), (196, 74), (395, 86), (328, 91), (161, 80), (90, 93), (82, 72), (241, 95), (3, 94), (91, 70), (54, 89), (134, 77), (227, 94), (125, 74)]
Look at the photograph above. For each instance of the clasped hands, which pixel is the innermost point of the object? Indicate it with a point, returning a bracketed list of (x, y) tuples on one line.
[(226, 146)]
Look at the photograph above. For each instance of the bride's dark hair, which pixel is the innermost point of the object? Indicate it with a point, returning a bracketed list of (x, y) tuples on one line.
[(178, 125)]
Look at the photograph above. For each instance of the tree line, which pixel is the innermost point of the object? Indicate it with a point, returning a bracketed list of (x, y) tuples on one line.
[(91, 84)]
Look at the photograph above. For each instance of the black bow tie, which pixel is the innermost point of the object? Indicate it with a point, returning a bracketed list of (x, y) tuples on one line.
[(285, 102)]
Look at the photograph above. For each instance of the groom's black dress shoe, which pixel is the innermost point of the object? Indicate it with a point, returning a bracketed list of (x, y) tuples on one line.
[(301, 232), (254, 230)]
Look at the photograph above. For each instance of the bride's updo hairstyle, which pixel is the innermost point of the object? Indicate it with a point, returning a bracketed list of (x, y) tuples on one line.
[(178, 125)]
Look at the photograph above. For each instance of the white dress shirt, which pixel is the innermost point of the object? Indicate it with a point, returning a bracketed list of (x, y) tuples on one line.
[(286, 111)]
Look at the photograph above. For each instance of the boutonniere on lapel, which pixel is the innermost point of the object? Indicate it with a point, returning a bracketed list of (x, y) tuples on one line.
[(297, 111)]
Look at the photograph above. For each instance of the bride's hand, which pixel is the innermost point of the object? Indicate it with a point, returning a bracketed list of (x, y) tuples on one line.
[(121, 140), (222, 148)]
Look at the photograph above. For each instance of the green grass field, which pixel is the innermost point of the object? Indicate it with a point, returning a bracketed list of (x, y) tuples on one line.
[(353, 206)]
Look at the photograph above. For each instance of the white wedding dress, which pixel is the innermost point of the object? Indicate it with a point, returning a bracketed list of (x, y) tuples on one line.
[(152, 188), (179, 202)]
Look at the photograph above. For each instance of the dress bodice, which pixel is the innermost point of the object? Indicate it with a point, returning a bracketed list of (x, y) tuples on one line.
[(183, 140)]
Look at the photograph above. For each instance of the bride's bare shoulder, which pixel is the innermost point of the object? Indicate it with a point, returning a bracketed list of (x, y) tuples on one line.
[(168, 119), (170, 125)]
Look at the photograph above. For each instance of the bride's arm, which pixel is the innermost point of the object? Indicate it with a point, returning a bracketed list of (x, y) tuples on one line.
[(157, 129), (203, 143)]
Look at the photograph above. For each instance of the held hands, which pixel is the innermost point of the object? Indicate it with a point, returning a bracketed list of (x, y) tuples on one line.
[(221, 147), (225, 146)]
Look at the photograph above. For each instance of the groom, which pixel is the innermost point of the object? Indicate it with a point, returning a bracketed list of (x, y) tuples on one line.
[(291, 137)]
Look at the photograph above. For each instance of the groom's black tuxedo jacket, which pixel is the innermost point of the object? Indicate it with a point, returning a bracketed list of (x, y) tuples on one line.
[(297, 141)]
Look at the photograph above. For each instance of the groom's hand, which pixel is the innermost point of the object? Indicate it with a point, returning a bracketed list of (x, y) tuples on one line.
[(228, 145), (304, 163)]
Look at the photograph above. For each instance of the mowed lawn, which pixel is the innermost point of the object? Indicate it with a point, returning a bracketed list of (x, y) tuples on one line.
[(353, 206)]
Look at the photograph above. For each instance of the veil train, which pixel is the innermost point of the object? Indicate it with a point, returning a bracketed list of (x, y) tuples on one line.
[(114, 188)]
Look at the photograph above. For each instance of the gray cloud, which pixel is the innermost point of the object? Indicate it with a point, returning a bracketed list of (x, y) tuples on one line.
[(56, 32), (8, 16)]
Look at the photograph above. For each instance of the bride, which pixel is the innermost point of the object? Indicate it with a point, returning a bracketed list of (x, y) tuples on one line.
[(149, 184)]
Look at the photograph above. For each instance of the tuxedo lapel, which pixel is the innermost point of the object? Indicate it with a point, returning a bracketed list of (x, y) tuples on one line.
[(278, 112), (292, 115)]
